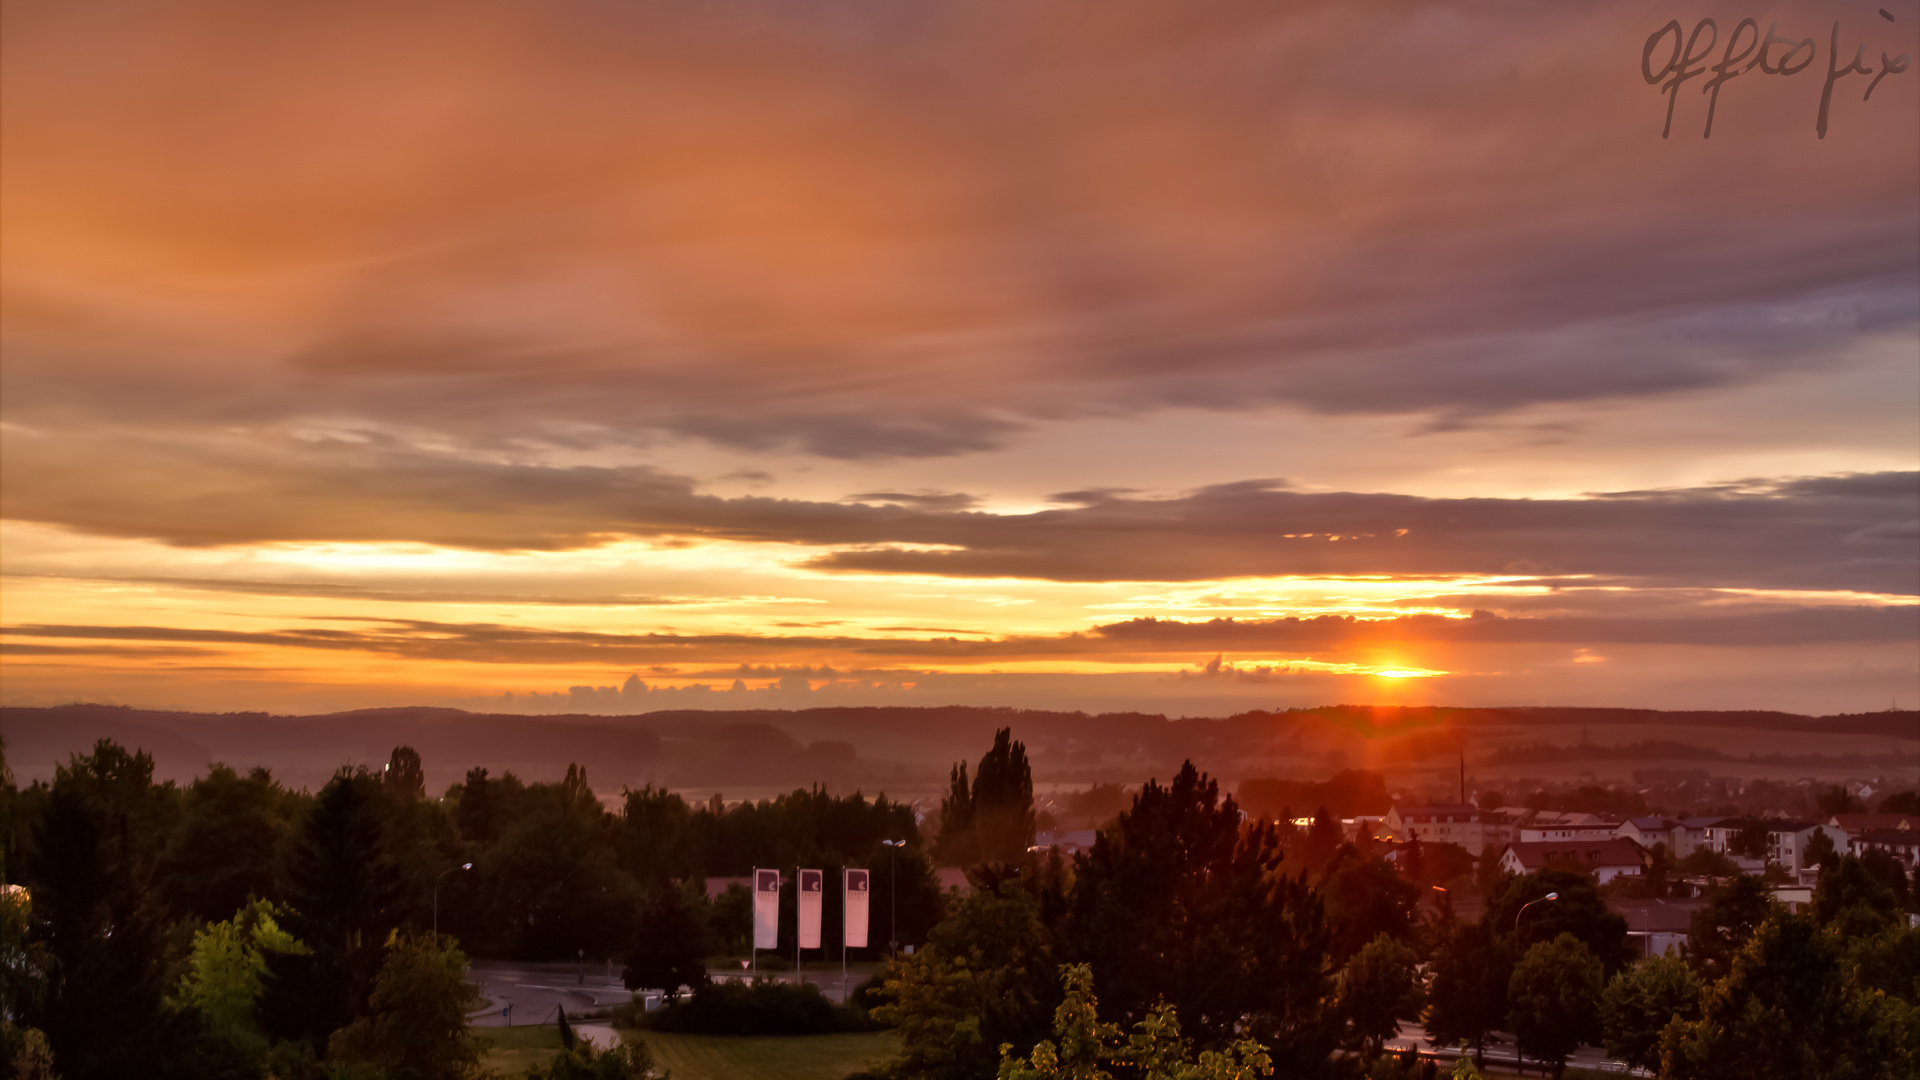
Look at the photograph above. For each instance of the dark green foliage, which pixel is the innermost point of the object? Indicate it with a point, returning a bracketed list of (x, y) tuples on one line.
[(222, 853), (1787, 1011), (1835, 800), (669, 946), (1820, 851), (1901, 802), (1467, 994), (1378, 988), (992, 820), (552, 885), (102, 1011), (653, 832), (1580, 911), (1553, 1000), (1887, 867), (1181, 901), (1367, 897), (1640, 1001), (1853, 900), (986, 977), (1888, 962), (1735, 909), (404, 777), (1750, 841), (339, 892), (628, 1061), (762, 1007), (484, 805), (415, 1027)]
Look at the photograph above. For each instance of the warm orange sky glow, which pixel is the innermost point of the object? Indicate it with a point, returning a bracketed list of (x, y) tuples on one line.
[(1115, 355)]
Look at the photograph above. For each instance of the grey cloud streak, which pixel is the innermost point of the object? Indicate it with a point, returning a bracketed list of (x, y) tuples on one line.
[(1135, 639), (1846, 532)]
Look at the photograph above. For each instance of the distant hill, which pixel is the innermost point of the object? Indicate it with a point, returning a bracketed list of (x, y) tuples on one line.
[(907, 751)]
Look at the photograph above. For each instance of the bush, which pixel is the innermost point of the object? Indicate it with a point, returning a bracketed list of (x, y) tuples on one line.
[(762, 1007)]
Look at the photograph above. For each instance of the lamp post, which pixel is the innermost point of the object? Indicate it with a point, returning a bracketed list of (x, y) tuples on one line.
[(893, 899), (436, 897), (1523, 911)]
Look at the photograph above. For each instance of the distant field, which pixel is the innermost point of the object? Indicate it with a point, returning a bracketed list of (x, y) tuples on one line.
[(805, 1057)]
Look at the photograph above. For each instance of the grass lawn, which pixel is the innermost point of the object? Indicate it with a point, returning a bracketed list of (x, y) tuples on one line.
[(517, 1048), (768, 1057)]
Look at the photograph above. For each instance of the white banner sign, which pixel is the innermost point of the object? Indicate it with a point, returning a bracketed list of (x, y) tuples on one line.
[(813, 884), (856, 909), (766, 909)]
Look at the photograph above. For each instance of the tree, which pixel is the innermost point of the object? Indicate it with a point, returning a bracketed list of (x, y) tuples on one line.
[(405, 778), (1820, 851), (1154, 1050), (1182, 901), (416, 1027), (1704, 862), (93, 845), (1750, 841), (1721, 929), (221, 854), (1853, 900), (1901, 802), (1467, 993), (1378, 988), (1787, 1010), (669, 947), (653, 826), (1366, 898), (984, 979), (340, 891), (991, 821), (1579, 909), (226, 974), (1640, 1001), (1836, 800), (553, 883), (1553, 1000)]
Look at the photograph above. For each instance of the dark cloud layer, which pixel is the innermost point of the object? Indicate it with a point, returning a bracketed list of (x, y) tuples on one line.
[(843, 231)]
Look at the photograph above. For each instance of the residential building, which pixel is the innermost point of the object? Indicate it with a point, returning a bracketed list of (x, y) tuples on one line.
[(1605, 859), (1656, 926), (1786, 841), (1903, 844), (1566, 826), (1458, 824)]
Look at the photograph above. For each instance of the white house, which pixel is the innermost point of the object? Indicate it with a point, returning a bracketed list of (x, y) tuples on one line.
[(1786, 840), (1604, 859), (1437, 825)]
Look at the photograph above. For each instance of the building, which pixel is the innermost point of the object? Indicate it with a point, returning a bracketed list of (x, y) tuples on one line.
[(1656, 926), (1459, 824), (1902, 844), (1569, 825), (1858, 823), (1786, 841), (1604, 859), (1648, 831), (1068, 842)]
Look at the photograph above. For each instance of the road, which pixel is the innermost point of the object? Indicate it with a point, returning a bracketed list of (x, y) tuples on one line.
[(1500, 1051), (533, 990)]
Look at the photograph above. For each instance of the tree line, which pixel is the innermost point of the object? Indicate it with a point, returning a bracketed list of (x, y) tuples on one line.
[(233, 927), (1258, 947)]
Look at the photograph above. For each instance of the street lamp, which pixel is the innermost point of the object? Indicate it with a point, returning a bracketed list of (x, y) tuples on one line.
[(436, 897), (893, 899), (1525, 906)]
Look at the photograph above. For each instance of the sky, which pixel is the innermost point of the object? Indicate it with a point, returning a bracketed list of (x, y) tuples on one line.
[(611, 356)]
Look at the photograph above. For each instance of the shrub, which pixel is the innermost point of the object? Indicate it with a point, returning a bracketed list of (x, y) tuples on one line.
[(762, 1007)]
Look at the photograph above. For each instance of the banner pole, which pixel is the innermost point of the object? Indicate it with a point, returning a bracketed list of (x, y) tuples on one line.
[(798, 974)]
